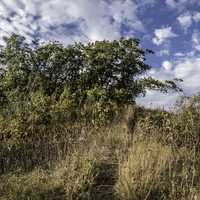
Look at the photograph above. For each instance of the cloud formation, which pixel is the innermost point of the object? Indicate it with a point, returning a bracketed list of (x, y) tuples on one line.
[(185, 68), (196, 40), (71, 20), (185, 20), (167, 65), (163, 34), (188, 18), (196, 17), (180, 4)]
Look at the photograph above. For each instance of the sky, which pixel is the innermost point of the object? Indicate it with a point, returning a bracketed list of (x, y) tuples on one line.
[(171, 28)]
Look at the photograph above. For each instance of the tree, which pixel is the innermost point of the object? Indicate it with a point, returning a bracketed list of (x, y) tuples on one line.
[(99, 77)]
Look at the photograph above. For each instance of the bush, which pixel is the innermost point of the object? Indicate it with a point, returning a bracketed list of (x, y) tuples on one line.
[(95, 78)]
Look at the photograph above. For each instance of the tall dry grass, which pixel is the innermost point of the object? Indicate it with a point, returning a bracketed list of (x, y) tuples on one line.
[(155, 171), (158, 159)]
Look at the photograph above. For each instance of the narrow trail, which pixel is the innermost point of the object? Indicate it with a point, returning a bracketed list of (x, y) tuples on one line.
[(103, 189)]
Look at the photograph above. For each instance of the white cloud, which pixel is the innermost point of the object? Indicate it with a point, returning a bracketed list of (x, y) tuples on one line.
[(171, 3), (187, 68), (167, 65), (54, 19), (188, 18), (164, 52), (196, 16), (163, 34), (185, 20), (179, 54), (154, 99), (196, 40), (180, 4)]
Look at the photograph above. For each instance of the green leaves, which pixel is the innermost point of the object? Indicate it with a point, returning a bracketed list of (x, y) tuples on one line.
[(99, 77)]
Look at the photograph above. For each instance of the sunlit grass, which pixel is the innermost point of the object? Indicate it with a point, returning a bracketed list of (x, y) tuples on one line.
[(158, 159)]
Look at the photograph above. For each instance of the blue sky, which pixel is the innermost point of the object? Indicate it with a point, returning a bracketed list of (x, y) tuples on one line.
[(171, 28)]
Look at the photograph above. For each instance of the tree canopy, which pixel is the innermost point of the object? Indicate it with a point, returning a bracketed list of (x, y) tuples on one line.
[(91, 80)]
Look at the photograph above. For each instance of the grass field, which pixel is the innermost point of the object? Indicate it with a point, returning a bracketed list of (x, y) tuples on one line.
[(158, 159)]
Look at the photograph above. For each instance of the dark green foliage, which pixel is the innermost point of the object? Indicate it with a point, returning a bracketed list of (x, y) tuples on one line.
[(46, 84)]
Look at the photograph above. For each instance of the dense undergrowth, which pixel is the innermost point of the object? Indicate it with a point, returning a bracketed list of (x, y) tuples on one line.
[(158, 159)]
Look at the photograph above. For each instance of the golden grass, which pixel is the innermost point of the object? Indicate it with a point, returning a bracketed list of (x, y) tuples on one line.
[(70, 179), (155, 171), (158, 160)]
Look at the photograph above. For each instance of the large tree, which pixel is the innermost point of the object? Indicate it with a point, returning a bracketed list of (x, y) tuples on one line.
[(96, 77)]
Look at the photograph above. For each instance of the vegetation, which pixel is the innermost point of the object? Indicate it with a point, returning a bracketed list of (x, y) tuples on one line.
[(52, 82), (70, 128)]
